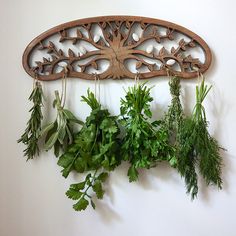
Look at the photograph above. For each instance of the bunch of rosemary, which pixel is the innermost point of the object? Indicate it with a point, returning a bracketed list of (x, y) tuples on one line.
[(32, 132), (95, 149), (143, 144)]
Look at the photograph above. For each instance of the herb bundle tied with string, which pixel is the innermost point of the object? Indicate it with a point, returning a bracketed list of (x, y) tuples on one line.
[(95, 151), (31, 135), (59, 134), (177, 126), (143, 144), (194, 146)]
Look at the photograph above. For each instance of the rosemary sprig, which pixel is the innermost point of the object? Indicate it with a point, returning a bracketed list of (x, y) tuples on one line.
[(32, 132)]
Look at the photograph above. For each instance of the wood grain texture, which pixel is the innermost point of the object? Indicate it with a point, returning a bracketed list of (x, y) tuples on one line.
[(116, 45)]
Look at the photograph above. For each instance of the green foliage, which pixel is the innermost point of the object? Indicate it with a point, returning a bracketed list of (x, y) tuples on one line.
[(95, 147), (59, 134), (32, 132), (206, 147), (80, 191), (198, 147), (187, 159), (99, 147), (193, 144), (179, 130), (143, 144)]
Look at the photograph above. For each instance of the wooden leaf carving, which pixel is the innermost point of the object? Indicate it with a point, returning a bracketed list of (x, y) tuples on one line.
[(94, 65), (61, 53), (138, 64), (116, 46), (71, 53), (79, 34), (162, 52), (150, 67)]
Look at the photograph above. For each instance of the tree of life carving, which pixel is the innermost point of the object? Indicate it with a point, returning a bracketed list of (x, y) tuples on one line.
[(117, 44)]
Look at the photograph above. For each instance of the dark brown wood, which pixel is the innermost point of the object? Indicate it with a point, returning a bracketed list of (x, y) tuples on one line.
[(116, 45)]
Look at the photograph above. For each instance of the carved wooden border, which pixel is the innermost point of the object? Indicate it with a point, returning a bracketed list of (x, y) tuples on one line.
[(117, 45)]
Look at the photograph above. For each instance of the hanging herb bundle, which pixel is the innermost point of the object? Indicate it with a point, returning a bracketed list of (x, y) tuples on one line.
[(59, 134), (193, 144), (95, 149), (198, 148), (32, 132), (143, 144), (206, 147), (179, 130)]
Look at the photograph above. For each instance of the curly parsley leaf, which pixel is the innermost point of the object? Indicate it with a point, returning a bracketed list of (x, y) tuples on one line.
[(143, 144)]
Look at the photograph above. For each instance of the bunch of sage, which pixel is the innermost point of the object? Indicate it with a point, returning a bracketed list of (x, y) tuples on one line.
[(59, 134)]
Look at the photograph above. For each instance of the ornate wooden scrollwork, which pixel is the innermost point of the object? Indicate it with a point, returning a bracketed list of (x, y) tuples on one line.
[(121, 38)]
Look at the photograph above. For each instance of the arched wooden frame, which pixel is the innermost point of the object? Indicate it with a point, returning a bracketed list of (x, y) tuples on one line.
[(116, 45)]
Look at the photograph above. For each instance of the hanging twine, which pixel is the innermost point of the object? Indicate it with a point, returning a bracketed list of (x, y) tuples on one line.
[(97, 86), (171, 77), (35, 81), (64, 83), (99, 89), (136, 78)]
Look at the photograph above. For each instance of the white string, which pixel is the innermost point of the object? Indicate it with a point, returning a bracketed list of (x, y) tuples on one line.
[(198, 74), (95, 85), (35, 80), (63, 92), (136, 79), (99, 89), (138, 76)]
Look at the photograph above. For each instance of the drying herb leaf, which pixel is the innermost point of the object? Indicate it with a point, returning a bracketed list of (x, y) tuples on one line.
[(179, 131), (59, 134), (80, 191), (195, 146), (32, 132), (206, 147), (95, 148), (143, 145)]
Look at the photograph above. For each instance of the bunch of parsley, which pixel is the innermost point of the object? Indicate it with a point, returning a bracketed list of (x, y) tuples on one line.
[(95, 150), (143, 143)]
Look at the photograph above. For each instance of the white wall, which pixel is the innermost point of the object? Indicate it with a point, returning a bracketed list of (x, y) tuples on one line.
[(32, 200)]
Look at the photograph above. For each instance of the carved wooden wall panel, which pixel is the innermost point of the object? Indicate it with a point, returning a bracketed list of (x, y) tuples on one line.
[(117, 43)]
